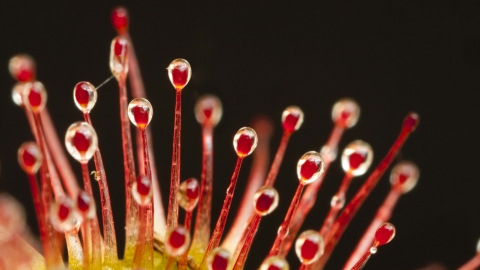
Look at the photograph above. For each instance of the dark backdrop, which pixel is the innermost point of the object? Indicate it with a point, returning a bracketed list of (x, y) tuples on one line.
[(391, 56)]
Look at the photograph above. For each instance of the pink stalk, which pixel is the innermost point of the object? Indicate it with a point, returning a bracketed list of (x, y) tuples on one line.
[(383, 214), (472, 264), (310, 195), (361, 262), (110, 253), (239, 263), (409, 125)]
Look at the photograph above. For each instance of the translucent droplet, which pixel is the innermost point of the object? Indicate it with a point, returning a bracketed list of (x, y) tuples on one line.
[(85, 96), (179, 72), (142, 190), (478, 245), (275, 263), (245, 141), (411, 121), (12, 217), (17, 93), (345, 113), (81, 141), (265, 200), (85, 205), (120, 19), (373, 250), (177, 241), (119, 57), (329, 153), (310, 167), (34, 96), (29, 157), (357, 158), (292, 118), (22, 68), (140, 112), (384, 233), (219, 259), (337, 202), (188, 194), (208, 110), (63, 215), (405, 174), (309, 246)]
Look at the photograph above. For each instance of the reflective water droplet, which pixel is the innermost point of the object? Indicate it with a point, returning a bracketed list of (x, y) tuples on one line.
[(179, 72), (85, 96), (140, 112), (405, 175), (345, 113), (29, 157), (309, 246), (265, 200), (208, 110), (310, 167), (292, 118), (245, 141), (357, 157), (81, 141)]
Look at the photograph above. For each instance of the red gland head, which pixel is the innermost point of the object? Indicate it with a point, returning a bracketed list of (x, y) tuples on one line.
[(29, 157), (309, 246), (292, 118), (22, 68), (411, 122), (310, 167), (357, 158), (275, 263), (404, 176), (265, 200), (85, 205), (140, 112), (34, 96), (208, 110), (142, 190), (85, 96), (63, 215), (188, 194), (384, 234), (179, 72), (120, 20), (245, 141), (119, 57), (219, 259), (81, 141), (345, 113), (177, 241)]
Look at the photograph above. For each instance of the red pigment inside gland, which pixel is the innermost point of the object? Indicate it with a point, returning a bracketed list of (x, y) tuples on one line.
[(83, 201), (177, 239), (411, 121), (356, 159), (309, 249), (219, 262), (180, 76), (82, 141), (120, 19), (143, 185), (208, 112), (140, 113), (120, 47), (25, 75), (274, 267), (63, 211), (290, 122), (192, 189), (35, 97), (244, 144), (264, 202), (309, 168), (82, 94), (384, 234), (28, 158)]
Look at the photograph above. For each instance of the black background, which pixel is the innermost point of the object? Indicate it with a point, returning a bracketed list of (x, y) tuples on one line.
[(391, 56)]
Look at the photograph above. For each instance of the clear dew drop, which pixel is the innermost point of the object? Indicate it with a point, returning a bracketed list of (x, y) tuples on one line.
[(140, 112), (188, 194), (357, 158), (405, 175), (292, 118), (245, 141), (34, 96), (384, 234), (275, 263), (265, 200), (17, 93), (29, 157), (219, 259), (119, 57), (85, 96), (85, 205), (179, 72), (81, 141), (309, 246), (345, 113), (208, 110), (63, 215), (177, 241), (310, 167), (22, 68), (142, 191)]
